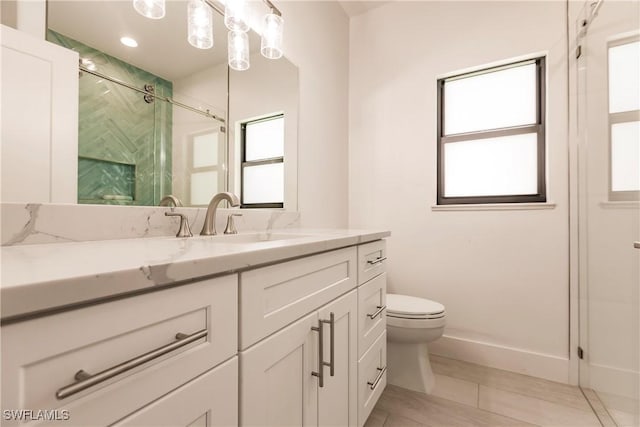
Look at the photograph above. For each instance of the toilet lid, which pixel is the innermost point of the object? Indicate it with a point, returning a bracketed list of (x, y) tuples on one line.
[(412, 307)]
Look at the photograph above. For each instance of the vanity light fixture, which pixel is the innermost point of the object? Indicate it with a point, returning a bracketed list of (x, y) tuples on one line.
[(238, 50), (153, 9), (235, 15), (271, 41), (200, 24), (128, 41), (200, 27)]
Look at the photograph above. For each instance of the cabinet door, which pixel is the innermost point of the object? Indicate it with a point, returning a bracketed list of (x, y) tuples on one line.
[(277, 387), (207, 401), (337, 399)]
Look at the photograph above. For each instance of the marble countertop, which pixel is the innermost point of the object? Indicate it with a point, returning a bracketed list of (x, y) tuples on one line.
[(43, 277)]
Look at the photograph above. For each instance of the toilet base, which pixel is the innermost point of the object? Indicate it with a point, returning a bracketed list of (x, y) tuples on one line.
[(408, 366)]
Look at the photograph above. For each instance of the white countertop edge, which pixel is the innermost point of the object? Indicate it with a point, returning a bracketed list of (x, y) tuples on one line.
[(25, 298)]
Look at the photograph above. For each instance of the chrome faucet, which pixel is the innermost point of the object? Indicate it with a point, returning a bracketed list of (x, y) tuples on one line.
[(209, 227), (170, 200)]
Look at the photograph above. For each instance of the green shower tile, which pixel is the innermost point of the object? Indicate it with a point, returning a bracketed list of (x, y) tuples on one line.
[(117, 127)]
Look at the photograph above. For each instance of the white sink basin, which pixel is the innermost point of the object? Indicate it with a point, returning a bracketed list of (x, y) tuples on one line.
[(254, 237)]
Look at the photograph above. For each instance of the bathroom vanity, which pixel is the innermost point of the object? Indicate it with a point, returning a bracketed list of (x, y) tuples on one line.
[(285, 328)]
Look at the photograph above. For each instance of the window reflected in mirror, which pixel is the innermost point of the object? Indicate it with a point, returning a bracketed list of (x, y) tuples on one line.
[(263, 162)]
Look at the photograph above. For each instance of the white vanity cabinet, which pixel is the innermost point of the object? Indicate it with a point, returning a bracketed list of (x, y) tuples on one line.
[(297, 342), (372, 338), (105, 362), (209, 400), (283, 378)]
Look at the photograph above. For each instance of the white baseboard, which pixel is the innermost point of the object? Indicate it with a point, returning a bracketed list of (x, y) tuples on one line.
[(620, 382), (539, 365)]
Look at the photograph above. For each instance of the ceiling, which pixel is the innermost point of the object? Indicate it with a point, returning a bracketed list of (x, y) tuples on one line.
[(162, 44), (358, 7)]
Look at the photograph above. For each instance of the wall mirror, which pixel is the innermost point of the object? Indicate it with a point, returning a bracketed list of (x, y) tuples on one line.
[(134, 148)]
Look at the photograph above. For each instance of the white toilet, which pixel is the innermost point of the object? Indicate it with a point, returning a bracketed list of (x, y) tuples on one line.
[(411, 324)]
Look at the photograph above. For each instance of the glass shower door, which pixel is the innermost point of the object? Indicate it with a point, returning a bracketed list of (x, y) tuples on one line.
[(608, 103)]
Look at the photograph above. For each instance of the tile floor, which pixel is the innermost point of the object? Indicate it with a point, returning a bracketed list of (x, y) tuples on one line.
[(472, 395)]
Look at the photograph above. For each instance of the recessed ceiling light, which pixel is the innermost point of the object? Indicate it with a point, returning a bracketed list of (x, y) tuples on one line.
[(128, 41)]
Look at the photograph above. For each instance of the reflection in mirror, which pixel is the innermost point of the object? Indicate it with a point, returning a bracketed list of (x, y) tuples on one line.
[(263, 132), (151, 117)]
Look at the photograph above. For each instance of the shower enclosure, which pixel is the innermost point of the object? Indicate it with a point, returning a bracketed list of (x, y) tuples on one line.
[(604, 49)]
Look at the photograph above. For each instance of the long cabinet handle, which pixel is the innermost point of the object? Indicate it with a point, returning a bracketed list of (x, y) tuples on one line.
[(320, 373), (374, 384), (380, 308), (332, 353), (377, 260), (85, 380)]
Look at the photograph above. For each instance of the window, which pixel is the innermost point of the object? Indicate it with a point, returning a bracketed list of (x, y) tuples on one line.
[(205, 172), (491, 137), (624, 119), (262, 157)]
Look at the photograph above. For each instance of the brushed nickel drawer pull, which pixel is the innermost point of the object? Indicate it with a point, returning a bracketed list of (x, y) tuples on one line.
[(375, 382), (85, 380), (320, 373), (332, 343), (380, 308), (321, 363), (377, 260)]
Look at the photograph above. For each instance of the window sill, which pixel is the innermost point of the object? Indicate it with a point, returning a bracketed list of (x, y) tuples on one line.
[(632, 204), (495, 207)]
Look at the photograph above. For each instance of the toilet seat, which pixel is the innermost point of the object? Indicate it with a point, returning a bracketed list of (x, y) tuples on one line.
[(408, 307), (404, 311)]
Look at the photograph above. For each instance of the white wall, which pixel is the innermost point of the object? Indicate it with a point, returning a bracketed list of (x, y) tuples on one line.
[(316, 39), (269, 87), (502, 275)]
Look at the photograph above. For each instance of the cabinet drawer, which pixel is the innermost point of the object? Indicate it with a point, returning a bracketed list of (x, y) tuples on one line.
[(42, 356), (371, 260), (372, 313), (208, 401), (372, 377), (274, 296)]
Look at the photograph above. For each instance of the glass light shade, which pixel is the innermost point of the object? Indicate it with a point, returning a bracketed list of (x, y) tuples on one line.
[(271, 44), (235, 15), (154, 9), (200, 24), (238, 50)]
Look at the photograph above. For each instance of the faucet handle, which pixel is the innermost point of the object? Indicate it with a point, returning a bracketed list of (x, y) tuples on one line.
[(184, 230), (231, 226)]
